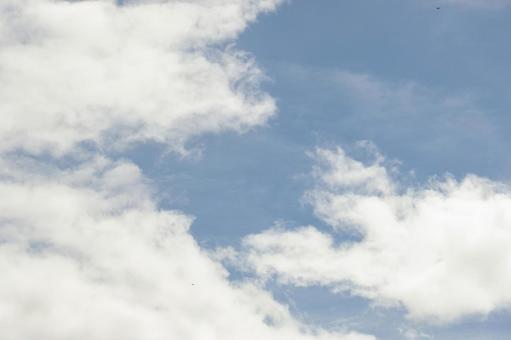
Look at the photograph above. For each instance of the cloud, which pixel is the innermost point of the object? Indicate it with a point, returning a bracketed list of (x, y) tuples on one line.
[(85, 253), (440, 250), (75, 72), (85, 250)]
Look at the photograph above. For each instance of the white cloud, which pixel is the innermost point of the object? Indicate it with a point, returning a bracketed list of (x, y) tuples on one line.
[(440, 250), (85, 253), (337, 170), (93, 71)]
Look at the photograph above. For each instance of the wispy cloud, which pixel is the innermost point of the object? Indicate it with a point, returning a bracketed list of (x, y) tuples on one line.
[(421, 119)]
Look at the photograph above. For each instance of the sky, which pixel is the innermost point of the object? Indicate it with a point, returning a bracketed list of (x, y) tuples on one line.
[(255, 169)]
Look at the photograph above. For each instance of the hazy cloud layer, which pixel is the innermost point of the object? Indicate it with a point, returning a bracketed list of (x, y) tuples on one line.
[(441, 250), (94, 71)]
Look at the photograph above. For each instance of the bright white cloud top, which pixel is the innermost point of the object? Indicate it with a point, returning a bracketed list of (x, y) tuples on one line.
[(440, 250), (93, 71)]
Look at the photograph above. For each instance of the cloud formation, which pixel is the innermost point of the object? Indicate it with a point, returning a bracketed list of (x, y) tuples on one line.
[(98, 72), (85, 250), (85, 253), (440, 250)]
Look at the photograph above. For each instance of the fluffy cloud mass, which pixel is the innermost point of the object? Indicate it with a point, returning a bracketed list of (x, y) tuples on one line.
[(86, 254), (440, 250), (85, 251), (97, 72)]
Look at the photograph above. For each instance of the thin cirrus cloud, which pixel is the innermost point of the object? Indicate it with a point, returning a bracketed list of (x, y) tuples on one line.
[(440, 250), (97, 72), (85, 250)]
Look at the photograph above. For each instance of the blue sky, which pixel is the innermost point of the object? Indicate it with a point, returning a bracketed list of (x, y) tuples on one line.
[(243, 184), (454, 53), (263, 151)]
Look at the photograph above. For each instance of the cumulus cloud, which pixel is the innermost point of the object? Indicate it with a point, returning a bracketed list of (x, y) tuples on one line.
[(85, 253), (441, 250), (85, 250), (109, 74)]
